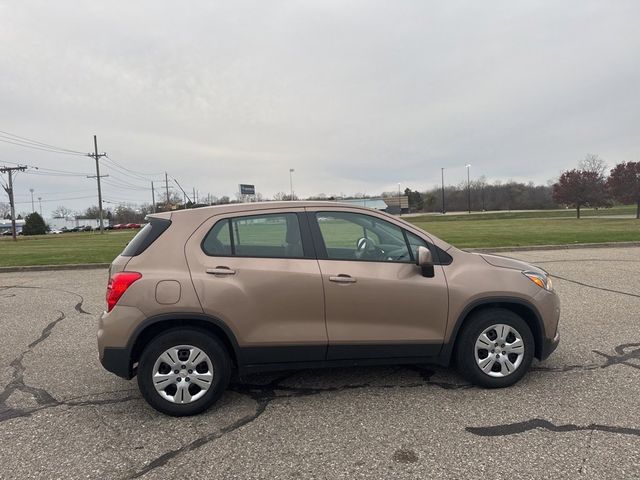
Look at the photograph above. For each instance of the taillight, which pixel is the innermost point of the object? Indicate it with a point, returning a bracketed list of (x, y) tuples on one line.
[(118, 284)]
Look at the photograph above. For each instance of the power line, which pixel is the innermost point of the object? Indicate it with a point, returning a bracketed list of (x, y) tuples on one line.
[(141, 175), (62, 152), (49, 194), (37, 143), (57, 199), (53, 174)]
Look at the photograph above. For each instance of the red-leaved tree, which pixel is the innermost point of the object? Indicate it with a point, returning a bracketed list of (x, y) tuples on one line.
[(624, 184), (579, 188)]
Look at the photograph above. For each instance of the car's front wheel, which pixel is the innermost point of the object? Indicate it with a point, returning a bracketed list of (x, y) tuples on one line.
[(183, 372), (495, 348)]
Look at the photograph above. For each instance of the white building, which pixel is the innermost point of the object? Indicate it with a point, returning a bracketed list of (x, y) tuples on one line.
[(5, 225)]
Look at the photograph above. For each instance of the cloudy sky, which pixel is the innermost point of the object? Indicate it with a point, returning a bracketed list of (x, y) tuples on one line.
[(356, 96)]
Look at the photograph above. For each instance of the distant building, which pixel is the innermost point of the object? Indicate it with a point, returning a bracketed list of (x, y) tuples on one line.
[(5, 226), (396, 205), (375, 203)]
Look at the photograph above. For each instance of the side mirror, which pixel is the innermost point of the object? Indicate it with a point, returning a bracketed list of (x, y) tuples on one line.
[(424, 260)]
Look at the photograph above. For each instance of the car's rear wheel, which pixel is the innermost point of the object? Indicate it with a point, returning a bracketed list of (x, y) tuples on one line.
[(183, 372), (495, 348)]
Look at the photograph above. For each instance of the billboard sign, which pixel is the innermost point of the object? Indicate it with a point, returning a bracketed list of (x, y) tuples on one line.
[(246, 189)]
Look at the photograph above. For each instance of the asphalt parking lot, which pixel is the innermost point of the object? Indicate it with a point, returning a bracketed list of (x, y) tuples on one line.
[(576, 414)]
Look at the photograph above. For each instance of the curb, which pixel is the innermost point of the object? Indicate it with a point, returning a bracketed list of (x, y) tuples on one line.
[(573, 246), (47, 268)]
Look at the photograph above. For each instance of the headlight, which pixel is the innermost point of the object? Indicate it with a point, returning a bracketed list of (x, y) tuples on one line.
[(540, 279)]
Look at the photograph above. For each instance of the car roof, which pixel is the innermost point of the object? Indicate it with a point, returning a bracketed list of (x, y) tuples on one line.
[(241, 207)]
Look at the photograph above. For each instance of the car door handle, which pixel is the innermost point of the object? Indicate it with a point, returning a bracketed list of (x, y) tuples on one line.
[(342, 278), (221, 271)]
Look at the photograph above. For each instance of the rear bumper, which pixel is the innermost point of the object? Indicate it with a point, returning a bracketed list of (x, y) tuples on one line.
[(118, 361), (549, 345)]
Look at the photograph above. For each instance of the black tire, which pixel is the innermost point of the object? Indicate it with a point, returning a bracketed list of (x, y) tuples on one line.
[(210, 345), (465, 354)]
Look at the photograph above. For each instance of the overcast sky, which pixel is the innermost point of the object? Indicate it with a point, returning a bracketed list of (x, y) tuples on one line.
[(356, 96)]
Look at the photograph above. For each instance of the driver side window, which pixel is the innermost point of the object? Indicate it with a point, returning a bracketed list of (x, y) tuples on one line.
[(355, 236)]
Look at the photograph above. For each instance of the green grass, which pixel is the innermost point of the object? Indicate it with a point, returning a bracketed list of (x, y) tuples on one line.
[(566, 213), (556, 227), (65, 248), (467, 233)]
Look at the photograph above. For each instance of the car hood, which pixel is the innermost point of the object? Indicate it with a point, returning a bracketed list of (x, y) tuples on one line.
[(506, 262)]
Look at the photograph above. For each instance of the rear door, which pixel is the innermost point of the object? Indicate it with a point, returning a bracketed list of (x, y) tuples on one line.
[(378, 304), (258, 274)]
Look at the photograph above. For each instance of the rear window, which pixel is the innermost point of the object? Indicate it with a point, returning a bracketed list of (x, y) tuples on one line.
[(145, 237), (274, 235)]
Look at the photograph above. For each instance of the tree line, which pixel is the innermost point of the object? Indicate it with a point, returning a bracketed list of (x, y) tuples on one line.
[(589, 185)]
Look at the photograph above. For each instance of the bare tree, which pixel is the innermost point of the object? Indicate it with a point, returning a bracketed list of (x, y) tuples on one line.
[(594, 163), (62, 212), (5, 209), (284, 196)]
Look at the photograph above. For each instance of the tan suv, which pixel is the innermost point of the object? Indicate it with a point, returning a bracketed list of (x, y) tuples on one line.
[(199, 294)]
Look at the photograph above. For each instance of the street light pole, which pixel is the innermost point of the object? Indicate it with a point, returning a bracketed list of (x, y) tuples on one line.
[(443, 209), (40, 203), (468, 187), (33, 208), (291, 170)]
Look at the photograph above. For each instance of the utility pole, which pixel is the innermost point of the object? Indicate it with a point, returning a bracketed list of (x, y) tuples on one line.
[(291, 170), (33, 208), (166, 185), (194, 197), (443, 209), (468, 188), (9, 190), (153, 198), (40, 203), (97, 176)]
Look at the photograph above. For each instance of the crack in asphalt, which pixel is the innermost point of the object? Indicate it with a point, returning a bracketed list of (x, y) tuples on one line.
[(78, 306), (584, 260), (594, 286), (264, 394), (623, 356), (521, 427), (41, 396)]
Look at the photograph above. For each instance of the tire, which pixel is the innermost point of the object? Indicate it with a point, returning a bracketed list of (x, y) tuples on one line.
[(195, 387), (500, 369)]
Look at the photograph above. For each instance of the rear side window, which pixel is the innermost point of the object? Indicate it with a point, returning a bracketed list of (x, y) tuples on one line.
[(270, 236), (218, 240), (145, 237)]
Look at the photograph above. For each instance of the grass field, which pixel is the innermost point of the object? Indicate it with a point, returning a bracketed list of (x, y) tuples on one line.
[(65, 248), (556, 227)]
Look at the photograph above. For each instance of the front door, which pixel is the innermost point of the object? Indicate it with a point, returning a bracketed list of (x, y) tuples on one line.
[(377, 302)]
